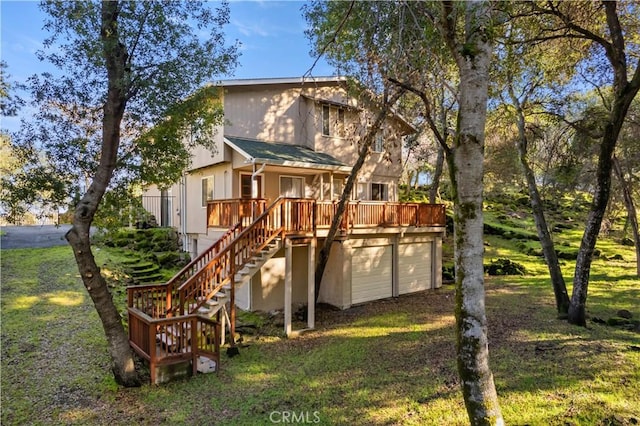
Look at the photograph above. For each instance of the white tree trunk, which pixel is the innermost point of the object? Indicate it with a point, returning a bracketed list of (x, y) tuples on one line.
[(473, 58)]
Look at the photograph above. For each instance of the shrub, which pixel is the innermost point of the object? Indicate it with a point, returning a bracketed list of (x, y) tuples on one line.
[(504, 266)]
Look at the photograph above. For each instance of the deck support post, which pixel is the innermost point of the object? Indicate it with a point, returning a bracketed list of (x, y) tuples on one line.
[(311, 288), (288, 284)]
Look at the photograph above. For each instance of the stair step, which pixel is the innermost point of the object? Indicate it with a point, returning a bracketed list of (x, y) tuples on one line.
[(139, 265), (149, 278), (209, 312), (137, 273)]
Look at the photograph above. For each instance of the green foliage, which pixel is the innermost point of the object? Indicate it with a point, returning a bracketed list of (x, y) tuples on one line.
[(171, 50), (9, 102), (504, 266)]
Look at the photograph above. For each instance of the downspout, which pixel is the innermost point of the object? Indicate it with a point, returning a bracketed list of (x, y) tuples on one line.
[(254, 185), (183, 213)]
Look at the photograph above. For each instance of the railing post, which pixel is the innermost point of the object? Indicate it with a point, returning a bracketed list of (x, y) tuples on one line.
[(168, 301), (232, 296), (195, 342)]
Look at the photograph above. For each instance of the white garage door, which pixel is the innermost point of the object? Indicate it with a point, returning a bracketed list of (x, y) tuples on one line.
[(414, 264), (371, 277)]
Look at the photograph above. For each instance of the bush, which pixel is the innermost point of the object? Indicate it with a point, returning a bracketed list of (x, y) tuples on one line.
[(504, 266)]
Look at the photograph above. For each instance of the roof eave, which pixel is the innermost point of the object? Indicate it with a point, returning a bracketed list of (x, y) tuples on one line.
[(303, 165)]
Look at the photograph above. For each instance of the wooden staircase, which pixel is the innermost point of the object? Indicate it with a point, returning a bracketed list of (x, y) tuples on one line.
[(182, 321)]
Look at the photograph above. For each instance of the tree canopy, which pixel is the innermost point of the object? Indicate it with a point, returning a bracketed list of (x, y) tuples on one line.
[(128, 91)]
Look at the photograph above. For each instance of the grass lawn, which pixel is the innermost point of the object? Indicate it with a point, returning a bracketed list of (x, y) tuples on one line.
[(388, 362)]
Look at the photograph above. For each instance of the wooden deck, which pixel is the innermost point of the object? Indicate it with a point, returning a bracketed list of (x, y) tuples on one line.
[(301, 215), (165, 326)]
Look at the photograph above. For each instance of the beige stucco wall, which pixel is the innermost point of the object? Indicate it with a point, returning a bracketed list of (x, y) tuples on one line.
[(217, 152), (269, 113), (267, 286), (334, 289)]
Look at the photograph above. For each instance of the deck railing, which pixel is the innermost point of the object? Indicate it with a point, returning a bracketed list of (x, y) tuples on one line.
[(161, 300), (163, 341), (221, 269), (309, 215), (226, 213)]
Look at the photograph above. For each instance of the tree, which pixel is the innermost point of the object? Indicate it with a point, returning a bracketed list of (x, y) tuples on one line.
[(626, 165), (529, 76), (364, 149), (124, 66), (614, 48), (396, 42)]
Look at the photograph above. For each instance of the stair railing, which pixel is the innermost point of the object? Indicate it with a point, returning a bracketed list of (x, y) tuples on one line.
[(160, 300), (221, 270)]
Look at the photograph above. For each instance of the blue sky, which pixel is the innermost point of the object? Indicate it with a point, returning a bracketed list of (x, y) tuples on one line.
[(271, 33)]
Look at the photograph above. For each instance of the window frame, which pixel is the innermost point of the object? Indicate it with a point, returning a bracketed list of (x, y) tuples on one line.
[(326, 120), (207, 190), (382, 191), (333, 120), (378, 142), (297, 178)]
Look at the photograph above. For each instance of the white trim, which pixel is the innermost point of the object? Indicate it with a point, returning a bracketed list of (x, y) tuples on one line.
[(278, 80)]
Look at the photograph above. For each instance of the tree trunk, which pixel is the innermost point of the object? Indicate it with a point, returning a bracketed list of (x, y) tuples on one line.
[(466, 170), (624, 92), (548, 249), (434, 191), (632, 217), (78, 236), (577, 309), (323, 256)]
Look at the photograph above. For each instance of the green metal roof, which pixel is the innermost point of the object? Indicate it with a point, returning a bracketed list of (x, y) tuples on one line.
[(282, 153)]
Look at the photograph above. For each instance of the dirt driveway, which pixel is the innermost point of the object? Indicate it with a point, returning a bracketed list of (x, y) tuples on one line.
[(37, 236)]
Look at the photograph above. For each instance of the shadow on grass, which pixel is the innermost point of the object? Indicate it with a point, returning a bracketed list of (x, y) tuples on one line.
[(387, 362)]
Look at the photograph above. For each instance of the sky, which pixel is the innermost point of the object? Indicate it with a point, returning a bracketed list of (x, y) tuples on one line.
[(271, 34)]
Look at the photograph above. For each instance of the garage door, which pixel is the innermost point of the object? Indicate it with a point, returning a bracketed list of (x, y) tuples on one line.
[(414, 264), (371, 277)]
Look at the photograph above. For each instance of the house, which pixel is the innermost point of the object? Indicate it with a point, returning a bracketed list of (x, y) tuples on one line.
[(256, 206)]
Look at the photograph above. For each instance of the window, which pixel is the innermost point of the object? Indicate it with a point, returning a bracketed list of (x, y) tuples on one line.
[(246, 186), (362, 191), (292, 187), (207, 190), (333, 121), (378, 143), (326, 120), (380, 191), (338, 187)]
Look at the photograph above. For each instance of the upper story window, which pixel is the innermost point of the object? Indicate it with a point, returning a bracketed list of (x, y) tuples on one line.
[(378, 142), (207, 190), (333, 119)]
